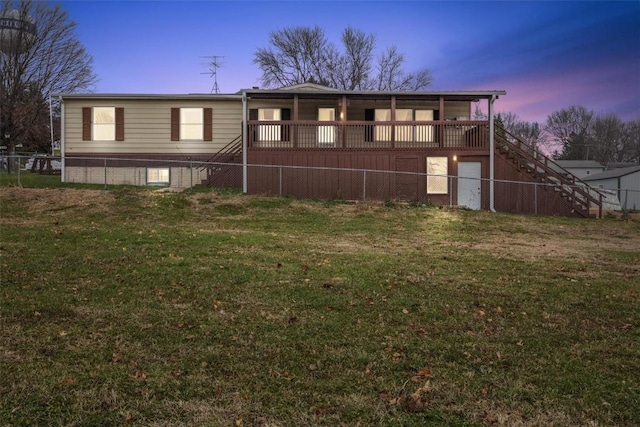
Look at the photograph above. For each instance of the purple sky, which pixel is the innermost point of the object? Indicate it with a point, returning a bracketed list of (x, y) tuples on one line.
[(547, 55)]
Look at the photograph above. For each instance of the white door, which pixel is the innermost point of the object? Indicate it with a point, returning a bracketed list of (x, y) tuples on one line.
[(469, 184), (326, 134)]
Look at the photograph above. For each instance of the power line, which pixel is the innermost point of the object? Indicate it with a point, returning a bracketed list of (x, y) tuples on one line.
[(213, 64)]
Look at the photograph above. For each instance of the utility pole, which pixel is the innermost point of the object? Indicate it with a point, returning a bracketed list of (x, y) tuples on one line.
[(214, 63)]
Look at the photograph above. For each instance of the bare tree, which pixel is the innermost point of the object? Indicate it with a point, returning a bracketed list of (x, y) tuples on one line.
[(531, 133), (51, 61), (304, 54), (606, 139), (630, 143), (570, 128)]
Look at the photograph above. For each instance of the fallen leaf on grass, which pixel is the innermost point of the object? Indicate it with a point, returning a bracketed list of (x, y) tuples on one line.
[(424, 372), (140, 375)]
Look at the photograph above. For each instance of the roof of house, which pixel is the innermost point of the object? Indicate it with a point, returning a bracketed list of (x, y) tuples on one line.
[(208, 96), (312, 88), (612, 173), (583, 164), (303, 88)]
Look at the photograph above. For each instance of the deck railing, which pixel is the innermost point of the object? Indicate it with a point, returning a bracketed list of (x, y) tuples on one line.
[(467, 135)]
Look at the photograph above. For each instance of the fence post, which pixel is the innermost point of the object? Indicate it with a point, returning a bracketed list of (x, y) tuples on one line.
[(191, 174), (19, 175), (535, 198), (280, 180), (450, 191), (105, 173), (364, 184)]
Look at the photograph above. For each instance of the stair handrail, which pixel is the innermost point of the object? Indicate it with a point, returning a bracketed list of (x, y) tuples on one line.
[(233, 147), (553, 170)]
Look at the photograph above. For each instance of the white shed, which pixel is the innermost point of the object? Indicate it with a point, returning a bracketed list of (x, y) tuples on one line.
[(626, 181)]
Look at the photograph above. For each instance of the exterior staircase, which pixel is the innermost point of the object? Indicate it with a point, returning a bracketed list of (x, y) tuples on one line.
[(222, 169), (576, 195)]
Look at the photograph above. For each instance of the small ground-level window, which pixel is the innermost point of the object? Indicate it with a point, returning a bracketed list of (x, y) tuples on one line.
[(437, 171), (158, 176)]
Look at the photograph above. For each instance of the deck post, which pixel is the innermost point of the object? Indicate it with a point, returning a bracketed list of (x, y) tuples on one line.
[(492, 148), (441, 120), (244, 142), (294, 130), (393, 120)]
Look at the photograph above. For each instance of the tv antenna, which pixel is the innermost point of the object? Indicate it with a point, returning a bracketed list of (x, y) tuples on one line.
[(214, 63)]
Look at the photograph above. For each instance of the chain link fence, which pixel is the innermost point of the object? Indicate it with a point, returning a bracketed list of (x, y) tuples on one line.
[(324, 183)]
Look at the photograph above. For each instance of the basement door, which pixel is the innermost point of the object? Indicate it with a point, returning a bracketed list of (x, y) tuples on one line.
[(469, 184)]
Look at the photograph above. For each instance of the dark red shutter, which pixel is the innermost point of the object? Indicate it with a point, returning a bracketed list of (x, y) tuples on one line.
[(369, 116), (119, 124), (207, 132), (253, 115), (285, 114), (175, 124), (86, 123)]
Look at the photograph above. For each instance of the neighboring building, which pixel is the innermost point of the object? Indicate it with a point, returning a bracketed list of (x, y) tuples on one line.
[(423, 138), (581, 168), (626, 181)]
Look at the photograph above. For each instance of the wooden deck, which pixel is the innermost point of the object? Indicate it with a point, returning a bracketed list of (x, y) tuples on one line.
[(437, 135)]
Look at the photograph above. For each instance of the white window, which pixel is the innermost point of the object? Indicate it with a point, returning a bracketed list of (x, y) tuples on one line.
[(191, 124), (269, 132), (326, 134), (383, 133), (404, 133), (424, 133), (104, 123), (158, 176), (437, 171)]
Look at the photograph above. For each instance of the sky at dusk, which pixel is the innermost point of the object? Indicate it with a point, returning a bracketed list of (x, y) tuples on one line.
[(547, 55)]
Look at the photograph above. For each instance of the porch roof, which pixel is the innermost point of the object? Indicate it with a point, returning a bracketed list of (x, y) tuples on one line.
[(306, 92)]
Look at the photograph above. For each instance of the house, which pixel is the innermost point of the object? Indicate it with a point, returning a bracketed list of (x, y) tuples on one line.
[(625, 181), (313, 141), (581, 168)]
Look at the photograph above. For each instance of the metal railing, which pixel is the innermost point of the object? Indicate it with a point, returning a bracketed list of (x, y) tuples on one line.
[(470, 135)]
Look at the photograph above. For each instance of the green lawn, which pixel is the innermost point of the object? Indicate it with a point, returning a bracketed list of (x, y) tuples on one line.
[(205, 308)]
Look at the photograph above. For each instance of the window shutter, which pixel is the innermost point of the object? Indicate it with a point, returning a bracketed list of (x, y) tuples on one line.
[(253, 115), (285, 115), (175, 124), (119, 124), (369, 116), (86, 123), (207, 132)]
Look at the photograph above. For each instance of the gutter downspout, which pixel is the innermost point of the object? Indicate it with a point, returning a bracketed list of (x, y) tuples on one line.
[(62, 153), (51, 125), (492, 149), (244, 142)]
